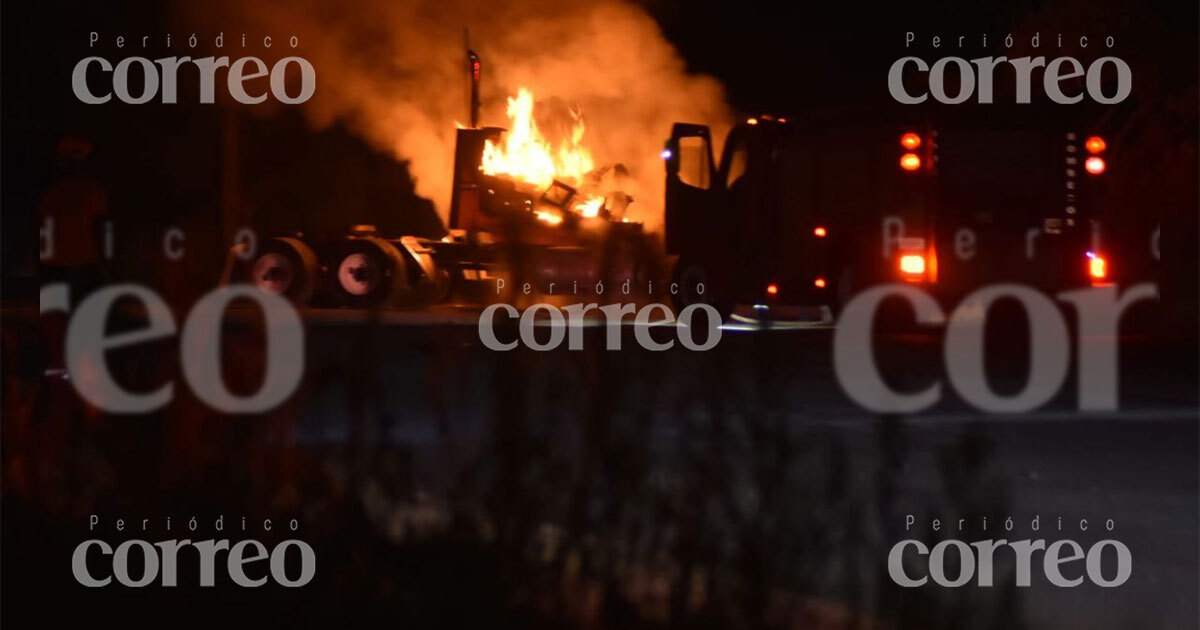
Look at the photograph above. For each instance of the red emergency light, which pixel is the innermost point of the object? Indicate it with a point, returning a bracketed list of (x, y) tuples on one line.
[(910, 162), (1097, 268)]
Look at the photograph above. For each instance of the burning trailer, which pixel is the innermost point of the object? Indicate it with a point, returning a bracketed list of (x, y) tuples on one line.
[(540, 216)]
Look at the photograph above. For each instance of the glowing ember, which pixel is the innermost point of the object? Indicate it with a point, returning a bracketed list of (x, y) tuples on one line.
[(590, 208), (524, 154), (552, 218)]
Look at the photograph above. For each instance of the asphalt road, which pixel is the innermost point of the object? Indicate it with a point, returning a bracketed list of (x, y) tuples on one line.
[(1137, 465), (747, 463)]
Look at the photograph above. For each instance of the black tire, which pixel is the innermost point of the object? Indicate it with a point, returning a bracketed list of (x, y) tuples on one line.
[(286, 266), (369, 272)]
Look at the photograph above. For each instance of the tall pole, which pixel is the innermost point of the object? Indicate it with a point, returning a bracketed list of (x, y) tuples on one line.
[(473, 68)]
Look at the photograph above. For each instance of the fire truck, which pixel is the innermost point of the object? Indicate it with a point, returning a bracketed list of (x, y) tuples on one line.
[(804, 213)]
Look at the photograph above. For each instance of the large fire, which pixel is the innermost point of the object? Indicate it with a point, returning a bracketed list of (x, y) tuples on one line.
[(524, 154)]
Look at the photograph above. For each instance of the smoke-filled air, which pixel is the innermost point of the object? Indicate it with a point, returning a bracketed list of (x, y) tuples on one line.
[(394, 71)]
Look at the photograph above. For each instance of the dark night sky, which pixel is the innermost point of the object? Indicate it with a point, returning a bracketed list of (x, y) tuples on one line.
[(811, 54)]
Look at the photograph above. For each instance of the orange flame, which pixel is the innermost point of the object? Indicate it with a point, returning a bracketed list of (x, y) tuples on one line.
[(524, 154), (553, 218), (591, 207)]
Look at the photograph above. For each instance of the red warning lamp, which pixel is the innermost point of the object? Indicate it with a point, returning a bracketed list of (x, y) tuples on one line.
[(1095, 165), (912, 265), (910, 162), (1095, 144), (1097, 267)]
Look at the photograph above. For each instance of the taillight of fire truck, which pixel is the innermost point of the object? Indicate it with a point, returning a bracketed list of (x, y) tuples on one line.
[(917, 152), (1097, 267), (1094, 164), (917, 266), (912, 267)]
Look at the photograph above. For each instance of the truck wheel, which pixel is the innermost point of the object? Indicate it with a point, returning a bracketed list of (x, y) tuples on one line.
[(286, 267), (696, 286), (369, 272)]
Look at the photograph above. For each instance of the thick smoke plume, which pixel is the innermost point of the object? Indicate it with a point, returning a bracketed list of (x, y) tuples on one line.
[(394, 72)]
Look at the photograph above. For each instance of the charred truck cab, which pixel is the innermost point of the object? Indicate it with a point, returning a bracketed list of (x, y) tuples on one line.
[(505, 239), (799, 215)]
